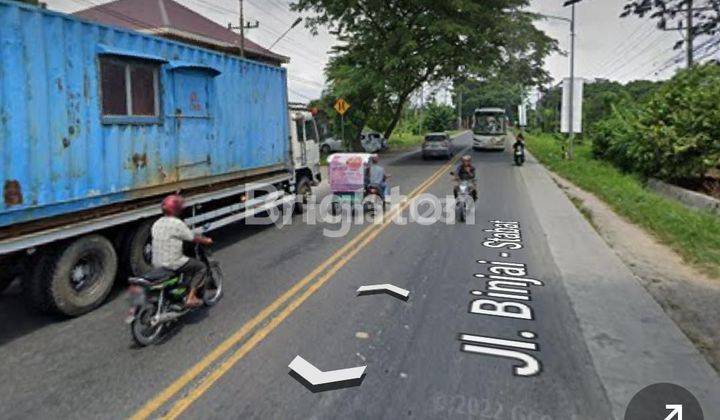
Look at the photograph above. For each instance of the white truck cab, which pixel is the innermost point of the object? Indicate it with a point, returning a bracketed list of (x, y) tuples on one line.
[(305, 147)]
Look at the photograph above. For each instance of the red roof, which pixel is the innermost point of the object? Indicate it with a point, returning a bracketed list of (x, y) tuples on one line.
[(170, 19)]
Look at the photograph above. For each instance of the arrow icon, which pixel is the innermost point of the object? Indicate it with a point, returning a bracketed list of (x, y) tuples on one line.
[(317, 378), (675, 411), (384, 288)]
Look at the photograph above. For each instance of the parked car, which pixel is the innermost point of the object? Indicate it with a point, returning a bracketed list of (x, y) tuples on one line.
[(331, 145), (373, 142), (437, 144)]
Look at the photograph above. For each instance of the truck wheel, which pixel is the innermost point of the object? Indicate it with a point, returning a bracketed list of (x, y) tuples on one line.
[(136, 251), (5, 281), (74, 279), (303, 193), (9, 272)]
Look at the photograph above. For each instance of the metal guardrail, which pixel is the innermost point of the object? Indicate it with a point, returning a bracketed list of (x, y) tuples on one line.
[(196, 220), (43, 237), (247, 213)]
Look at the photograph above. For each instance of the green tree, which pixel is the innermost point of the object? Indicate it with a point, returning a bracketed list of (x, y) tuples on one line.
[(439, 117), (496, 92), (599, 99), (388, 50), (674, 136)]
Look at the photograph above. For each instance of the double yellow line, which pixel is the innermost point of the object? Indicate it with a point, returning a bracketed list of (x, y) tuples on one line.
[(315, 279)]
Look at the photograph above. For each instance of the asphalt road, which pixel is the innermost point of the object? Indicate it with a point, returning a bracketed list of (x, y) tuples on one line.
[(232, 362)]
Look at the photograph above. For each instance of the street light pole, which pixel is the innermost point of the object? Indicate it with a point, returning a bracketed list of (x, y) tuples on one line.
[(572, 85), (422, 103), (460, 98), (690, 35), (296, 23), (571, 125)]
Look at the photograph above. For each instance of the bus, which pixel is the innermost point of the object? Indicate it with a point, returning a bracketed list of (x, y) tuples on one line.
[(490, 129)]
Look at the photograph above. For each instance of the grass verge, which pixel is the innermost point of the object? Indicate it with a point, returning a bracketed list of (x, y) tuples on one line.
[(400, 141), (693, 234)]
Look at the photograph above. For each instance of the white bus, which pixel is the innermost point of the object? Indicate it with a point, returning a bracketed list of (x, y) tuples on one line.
[(490, 129)]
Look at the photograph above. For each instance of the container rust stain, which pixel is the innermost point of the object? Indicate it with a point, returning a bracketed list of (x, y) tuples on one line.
[(139, 160), (12, 193)]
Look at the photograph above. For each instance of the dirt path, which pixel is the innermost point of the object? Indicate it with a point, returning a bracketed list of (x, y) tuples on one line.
[(691, 298)]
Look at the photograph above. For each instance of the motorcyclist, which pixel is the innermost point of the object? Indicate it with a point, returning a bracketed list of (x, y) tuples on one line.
[(465, 171), (519, 142), (519, 145), (376, 175), (168, 235)]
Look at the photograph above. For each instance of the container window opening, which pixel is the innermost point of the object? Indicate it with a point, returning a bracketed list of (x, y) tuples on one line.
[(142, 81), (114, 97), (129, 91)]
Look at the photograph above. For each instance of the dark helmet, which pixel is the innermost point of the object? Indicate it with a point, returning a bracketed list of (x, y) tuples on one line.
[(173, 205)]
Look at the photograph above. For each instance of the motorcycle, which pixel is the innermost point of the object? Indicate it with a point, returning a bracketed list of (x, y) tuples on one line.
[(461, 201), (519, 155), (374, 199), (158, 298)]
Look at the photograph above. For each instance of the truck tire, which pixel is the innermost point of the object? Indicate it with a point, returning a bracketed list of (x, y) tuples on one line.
[(302, 193), (73, 278), (135, 252), (5, 281), (8, 273)]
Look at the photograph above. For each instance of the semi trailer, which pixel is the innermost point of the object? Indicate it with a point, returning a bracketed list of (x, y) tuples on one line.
[(98, 123)]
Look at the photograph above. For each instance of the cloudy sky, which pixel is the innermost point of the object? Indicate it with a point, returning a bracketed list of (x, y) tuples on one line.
[(607, 45)]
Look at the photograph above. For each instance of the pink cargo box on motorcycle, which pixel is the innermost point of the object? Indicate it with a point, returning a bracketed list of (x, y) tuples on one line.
[(347, 172)]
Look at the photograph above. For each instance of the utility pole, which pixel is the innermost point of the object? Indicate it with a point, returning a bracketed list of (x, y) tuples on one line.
[(688, 28), (242, 29), (242, 26)]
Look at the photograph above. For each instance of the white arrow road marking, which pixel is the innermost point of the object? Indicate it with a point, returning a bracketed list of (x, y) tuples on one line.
[(384, 288), (317, 377), (675, 411)]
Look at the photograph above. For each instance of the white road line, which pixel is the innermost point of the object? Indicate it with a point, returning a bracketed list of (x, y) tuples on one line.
[(388, 288), (317, 377)]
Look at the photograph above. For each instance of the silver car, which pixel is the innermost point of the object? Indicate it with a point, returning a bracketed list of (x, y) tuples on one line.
[(371, 142), (331, 145), (437, 145)]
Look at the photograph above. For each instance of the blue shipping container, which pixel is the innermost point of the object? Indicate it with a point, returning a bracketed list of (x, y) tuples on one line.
[(92, 115)]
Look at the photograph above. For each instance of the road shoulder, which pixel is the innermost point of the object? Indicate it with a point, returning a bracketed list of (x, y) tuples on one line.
[(632, 341), (686, 294)]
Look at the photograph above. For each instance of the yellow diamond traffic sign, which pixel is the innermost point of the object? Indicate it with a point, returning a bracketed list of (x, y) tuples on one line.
[(341, 106)]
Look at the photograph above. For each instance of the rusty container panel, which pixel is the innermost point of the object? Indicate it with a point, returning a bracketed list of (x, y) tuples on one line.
[(216, 116)]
